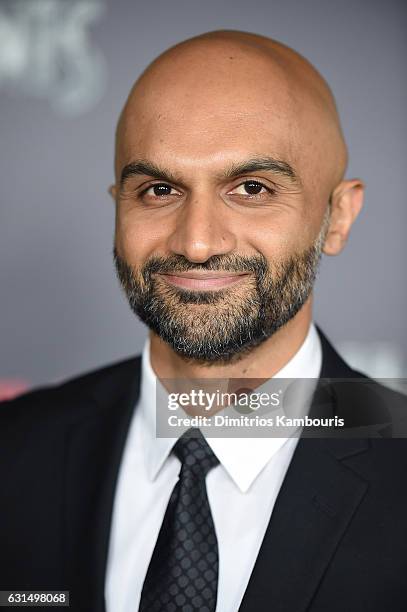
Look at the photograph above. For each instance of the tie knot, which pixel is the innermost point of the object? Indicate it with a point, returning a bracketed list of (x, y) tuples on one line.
[(194, 452)]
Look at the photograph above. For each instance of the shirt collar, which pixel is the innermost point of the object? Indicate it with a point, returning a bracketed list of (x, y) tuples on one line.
[(155, 450), (242, 458)]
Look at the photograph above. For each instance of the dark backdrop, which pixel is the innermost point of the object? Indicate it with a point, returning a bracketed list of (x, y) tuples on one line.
[(65, 70)]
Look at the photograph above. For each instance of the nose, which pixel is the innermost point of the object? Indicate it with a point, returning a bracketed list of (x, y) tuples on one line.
[(202, 229)]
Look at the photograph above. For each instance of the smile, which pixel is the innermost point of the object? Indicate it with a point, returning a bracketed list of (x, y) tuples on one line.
[(202, 282)]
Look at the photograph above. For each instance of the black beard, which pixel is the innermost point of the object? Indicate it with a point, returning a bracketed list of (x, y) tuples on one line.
[(219, 326)]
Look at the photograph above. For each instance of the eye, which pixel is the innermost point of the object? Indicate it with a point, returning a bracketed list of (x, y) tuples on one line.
[(159, 190), (251, 188)]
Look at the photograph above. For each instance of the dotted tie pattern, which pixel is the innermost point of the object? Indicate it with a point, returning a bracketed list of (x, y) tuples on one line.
[(183, 571)]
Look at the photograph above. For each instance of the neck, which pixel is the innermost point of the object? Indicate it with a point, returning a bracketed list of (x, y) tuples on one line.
[(264, 361)]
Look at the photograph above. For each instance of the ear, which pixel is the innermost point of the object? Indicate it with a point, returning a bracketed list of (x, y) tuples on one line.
[(346, 204), (113, 191)]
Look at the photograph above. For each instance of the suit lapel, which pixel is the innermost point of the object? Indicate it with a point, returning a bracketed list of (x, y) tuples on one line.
[(317, 500), (94, 450)]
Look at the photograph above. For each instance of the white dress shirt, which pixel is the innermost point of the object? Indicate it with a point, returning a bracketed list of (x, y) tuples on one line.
[(242, 491)]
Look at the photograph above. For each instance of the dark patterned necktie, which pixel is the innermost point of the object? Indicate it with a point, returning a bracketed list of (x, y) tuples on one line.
[(183, 571)]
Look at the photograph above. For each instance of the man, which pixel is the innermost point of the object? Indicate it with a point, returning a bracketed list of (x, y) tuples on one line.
[(229, 167)]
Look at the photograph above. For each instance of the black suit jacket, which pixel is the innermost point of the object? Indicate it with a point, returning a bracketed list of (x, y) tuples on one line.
[(337, 537)]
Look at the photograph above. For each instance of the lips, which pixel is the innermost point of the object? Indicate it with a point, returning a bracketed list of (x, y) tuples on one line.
[(195, 281)]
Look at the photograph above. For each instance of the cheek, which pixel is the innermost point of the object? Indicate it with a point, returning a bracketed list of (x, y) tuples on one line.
[(137, 236), (280, 237)]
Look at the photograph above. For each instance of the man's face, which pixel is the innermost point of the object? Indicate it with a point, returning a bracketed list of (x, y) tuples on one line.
[(220, 218)]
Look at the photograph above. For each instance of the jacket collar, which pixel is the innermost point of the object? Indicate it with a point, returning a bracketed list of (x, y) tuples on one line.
[(333, 366)]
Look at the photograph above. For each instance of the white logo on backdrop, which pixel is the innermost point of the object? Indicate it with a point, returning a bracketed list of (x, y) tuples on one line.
[(46, 51)]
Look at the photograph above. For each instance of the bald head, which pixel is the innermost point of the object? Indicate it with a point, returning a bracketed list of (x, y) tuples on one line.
[(222, 84)]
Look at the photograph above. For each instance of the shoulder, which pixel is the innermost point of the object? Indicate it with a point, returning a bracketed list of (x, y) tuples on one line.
[(369, 407), (73, 397)]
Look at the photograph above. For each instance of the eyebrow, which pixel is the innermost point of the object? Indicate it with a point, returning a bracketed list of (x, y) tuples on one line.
[(268, 164), (146, 168)]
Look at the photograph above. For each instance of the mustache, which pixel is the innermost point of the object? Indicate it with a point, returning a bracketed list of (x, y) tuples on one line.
[(220, 263)]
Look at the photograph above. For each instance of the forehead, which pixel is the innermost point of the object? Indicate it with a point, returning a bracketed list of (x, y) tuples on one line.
[(204, 140), (191, 115)]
